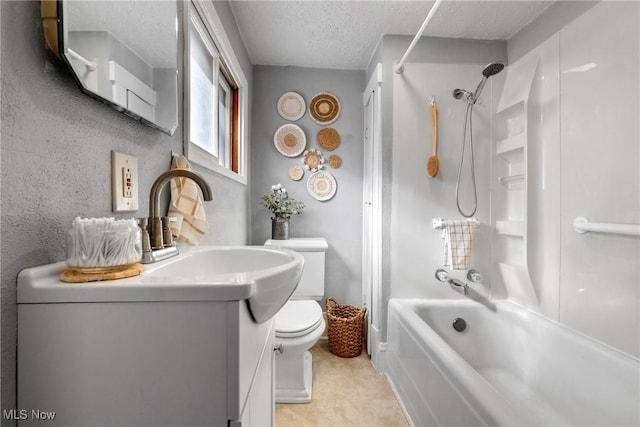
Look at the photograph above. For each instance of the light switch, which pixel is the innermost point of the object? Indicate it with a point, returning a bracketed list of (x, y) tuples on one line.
[(124, 182)]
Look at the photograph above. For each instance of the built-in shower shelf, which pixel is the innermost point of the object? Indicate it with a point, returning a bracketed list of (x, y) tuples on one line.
[(510, 228), (511, 107), (510, 270), (511, 149)]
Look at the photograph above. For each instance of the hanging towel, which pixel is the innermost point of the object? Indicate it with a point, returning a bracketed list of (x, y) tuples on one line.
[(186, 206), (458, 244)]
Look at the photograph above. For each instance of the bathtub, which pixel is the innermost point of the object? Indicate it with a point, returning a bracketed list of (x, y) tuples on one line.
[(509, 367)]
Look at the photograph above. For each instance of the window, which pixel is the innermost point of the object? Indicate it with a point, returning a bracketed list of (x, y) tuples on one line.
[(215, 96)]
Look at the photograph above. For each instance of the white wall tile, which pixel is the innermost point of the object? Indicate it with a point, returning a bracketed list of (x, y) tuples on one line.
[(416, 248), (600, 273)]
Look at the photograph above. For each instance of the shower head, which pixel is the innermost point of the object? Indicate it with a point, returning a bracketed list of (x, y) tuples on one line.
[(492, 69)]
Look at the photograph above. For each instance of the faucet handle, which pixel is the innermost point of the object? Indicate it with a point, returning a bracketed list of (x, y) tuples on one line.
[(155, 233), (146, 243), (474, 276), (442, 275), (167, 238)]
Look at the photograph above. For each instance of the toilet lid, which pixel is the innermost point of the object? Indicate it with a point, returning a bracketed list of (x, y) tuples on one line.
[(298, 318)]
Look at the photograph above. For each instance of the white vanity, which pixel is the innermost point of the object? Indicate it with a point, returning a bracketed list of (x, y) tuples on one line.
[(188, 343)]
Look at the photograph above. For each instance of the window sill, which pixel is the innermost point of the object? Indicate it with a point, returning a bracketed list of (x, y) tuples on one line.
[(198, 156)]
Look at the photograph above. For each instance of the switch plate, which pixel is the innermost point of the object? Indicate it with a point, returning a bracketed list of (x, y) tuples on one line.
[(124, 182)]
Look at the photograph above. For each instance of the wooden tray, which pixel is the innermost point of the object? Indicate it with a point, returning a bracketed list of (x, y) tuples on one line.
[(82, 275)]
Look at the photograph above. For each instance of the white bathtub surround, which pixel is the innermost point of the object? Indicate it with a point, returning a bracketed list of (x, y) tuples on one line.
[(556, 137), (563, 126), (416, 247), (600, 179), (518, 202), (543, 374)]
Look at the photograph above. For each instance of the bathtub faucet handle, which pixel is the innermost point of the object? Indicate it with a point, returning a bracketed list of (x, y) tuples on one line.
[(442, 275), (474, 276)]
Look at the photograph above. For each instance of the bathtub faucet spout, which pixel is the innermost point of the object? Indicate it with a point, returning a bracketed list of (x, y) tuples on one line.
[(455, 284), (459, 286)]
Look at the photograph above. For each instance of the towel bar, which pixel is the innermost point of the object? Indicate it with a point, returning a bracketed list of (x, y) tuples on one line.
[(438, 223)]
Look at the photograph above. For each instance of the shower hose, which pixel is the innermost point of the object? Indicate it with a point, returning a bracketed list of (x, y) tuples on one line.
[(467, 126)]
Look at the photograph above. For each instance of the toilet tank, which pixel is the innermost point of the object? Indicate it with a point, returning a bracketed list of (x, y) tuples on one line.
[(311, 284)]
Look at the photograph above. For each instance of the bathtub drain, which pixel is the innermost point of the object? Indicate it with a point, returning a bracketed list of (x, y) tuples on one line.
[(459, 324)]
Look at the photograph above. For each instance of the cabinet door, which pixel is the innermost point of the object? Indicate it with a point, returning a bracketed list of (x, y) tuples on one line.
[(260, 408), (261, 400)]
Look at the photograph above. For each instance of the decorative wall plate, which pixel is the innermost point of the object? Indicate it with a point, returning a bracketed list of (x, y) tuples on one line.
[(290, 140), (328, 138), (313, 160), (335, 161), (324, 108), (296, 173), (322, 186), (291, 106)]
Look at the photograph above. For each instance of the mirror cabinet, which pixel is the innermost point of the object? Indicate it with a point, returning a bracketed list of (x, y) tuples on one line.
[(124, 53)]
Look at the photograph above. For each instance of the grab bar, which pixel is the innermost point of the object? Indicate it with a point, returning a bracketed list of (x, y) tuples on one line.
[(582, 225)]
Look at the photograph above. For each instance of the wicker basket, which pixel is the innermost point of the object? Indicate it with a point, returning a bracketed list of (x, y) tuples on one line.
[(345, 324)]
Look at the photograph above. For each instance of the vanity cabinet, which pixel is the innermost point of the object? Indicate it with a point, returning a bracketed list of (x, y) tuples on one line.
[(133, 362)]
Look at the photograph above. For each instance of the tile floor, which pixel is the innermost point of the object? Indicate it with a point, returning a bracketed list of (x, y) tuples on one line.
[(346, 392)]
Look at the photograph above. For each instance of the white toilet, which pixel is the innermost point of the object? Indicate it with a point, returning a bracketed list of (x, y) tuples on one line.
[(299, 324)]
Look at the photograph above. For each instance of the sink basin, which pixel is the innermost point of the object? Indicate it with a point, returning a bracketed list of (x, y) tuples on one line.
[(272, 274), (265, 277), (210, 261)]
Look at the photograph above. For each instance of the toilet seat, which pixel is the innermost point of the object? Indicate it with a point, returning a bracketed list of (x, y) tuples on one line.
[(298, 318)]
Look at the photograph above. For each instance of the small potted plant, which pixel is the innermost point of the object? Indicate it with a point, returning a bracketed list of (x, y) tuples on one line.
[(282, 207)]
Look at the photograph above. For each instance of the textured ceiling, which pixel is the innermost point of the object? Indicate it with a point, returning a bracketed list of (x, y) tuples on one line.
[(343, 34)]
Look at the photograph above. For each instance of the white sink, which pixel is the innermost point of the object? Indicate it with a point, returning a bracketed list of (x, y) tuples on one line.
[(265, 277), (272, 273)]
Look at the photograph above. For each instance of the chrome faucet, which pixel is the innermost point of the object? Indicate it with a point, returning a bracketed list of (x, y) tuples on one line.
[(456, 284), (155, 247)]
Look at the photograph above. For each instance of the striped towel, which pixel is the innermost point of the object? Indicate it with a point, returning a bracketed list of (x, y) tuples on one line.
[(458, 244), (186, 206)]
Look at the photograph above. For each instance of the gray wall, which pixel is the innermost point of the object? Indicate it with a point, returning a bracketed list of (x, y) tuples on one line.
[(56, 145), (339, 220)]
